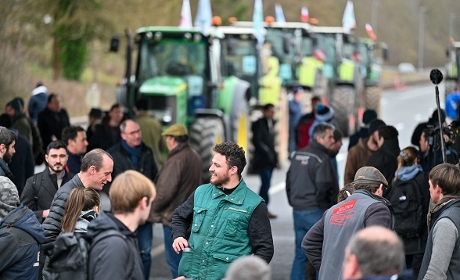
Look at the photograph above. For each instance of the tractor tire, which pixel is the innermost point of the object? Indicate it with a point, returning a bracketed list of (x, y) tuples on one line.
[(205, 133), (372, 97), (345, 104)]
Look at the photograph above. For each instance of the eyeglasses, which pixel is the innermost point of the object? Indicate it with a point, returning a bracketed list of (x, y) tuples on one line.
[(133, 132)]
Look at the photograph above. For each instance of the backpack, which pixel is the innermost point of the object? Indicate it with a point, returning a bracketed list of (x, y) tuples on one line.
[(406, 200), (71, 253)]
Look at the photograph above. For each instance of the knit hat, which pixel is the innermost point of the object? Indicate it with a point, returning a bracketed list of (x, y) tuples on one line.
[(175, 130), (369, 174), (369, 115), (374, 125), (337, 134), (9, 197), (15, 104), (324, 113)]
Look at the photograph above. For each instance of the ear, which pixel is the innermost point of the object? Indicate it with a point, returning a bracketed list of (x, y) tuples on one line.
[(354, 267)]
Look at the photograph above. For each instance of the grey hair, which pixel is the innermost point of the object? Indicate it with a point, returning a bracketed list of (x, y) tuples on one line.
[(249, 268), (320, 130), (378, 257)]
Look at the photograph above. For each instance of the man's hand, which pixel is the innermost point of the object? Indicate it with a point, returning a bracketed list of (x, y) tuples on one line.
[(180, 244), (45, 213)]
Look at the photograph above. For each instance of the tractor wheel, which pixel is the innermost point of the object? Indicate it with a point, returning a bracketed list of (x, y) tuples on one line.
[(204, 134), (372, 99), (344, 103)]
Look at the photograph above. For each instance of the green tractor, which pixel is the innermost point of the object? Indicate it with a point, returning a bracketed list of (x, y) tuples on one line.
[(341, 69), (247, 61), (372, 55), (181, 74), (453, 65), (292, 44)]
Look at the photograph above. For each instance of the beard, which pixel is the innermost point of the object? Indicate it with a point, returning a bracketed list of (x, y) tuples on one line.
[(220, 180), (7, 157), (56, 168)]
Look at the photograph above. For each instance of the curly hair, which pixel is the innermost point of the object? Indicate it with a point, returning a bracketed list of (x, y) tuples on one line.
[(234, 155)]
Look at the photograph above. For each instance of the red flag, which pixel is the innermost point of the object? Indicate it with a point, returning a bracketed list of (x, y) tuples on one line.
[(304, 17), (370, 32)]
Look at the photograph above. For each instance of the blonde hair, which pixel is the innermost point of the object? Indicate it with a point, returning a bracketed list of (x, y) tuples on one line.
[(128, 189), (407, 157), (80, 199)]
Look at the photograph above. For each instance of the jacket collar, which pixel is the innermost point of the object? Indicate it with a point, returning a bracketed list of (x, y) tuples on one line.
[(236, 196)]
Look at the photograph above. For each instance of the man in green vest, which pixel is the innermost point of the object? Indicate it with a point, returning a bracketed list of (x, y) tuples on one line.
[(226, 218)]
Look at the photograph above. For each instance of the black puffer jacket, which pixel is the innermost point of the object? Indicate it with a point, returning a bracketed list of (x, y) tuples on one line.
[(52, 224), (113, 257)]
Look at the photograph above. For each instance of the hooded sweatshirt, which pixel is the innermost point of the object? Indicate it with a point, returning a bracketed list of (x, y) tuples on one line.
[(113, 257), (20, 237)]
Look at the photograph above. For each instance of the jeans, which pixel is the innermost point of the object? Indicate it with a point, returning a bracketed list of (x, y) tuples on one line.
[(145, 239), (303, 221), (172, 258), (265, 176)]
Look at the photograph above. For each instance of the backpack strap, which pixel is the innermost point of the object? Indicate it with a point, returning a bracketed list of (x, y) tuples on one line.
[(37, 178)]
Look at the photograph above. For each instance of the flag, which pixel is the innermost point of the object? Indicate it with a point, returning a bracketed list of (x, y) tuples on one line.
[(203, 18), (279, 15), (185, 15), (304, 16), (348, 20), (258, 21), (370, 32)]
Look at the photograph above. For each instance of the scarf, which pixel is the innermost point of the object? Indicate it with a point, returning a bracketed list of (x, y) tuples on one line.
[(134, 153), (444, 201), (407, 173)]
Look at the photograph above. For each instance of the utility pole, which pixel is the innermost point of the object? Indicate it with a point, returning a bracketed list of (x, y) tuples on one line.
[(421, 37)]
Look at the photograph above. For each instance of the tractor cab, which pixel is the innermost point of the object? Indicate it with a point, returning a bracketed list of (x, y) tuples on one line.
[(178, 71)]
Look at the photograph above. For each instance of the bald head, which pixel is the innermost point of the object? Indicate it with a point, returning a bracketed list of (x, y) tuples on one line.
[(374, 250)]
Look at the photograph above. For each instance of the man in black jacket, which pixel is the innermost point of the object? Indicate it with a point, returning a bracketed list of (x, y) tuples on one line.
[(52, 120), (7, 142), (132, 154), (265, 156), (312, 187), (22, 164), (96, 171), (40, 188)]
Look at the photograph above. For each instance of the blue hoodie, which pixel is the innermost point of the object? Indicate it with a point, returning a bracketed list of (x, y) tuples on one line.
[(407, 173), (20, 237)]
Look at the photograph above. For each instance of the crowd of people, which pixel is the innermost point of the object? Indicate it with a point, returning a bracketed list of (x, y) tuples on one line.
[(396, 217)]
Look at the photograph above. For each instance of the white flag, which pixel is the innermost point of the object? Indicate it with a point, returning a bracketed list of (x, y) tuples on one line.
[(279, 15), (348, 20), (258, 21), (185, 15), (203, 18)]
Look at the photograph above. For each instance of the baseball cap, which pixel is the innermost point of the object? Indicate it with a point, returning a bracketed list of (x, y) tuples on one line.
[(175, 130), (369, 174)]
